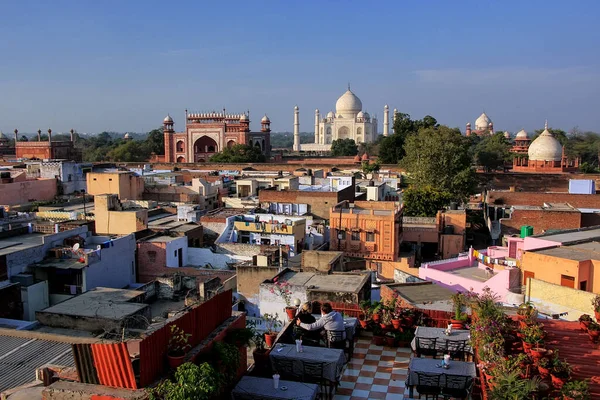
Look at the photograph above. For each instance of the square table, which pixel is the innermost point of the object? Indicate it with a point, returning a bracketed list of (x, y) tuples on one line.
[(332, 359), (432, 366), (251, 387), (426, 332)]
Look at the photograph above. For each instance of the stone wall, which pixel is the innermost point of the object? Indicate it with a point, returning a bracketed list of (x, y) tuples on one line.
[(555, 299)]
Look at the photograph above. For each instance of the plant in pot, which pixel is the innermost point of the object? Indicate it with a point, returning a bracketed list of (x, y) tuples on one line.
[(260, 353), (575, 390), (544, 365), (593, 331), (532, 334), (378, 336), (271, 323), (408, 317), (390, 339), (178, 346), (192, 381), (376, 308), (404, 337), (363, 318), (584, 322), (282, 289), (538, 350), (510, 386), (596, 305), (460, 317), (560, 372), (386, 318)]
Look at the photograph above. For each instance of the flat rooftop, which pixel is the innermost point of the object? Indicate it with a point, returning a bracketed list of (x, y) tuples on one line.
[(19, 243), (578, 252), (573, 235), (60, 263), (426, 296), (334, 282), (474, 273), (104, 303)]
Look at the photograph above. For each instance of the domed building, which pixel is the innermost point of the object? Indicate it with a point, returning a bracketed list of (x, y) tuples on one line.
[(521, 143), (483, 124), (209, 133), (347, 121), (544, 155)]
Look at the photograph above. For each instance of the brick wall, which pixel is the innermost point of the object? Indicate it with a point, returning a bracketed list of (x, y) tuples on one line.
[(541, 220), (538, 199), (151, 260)]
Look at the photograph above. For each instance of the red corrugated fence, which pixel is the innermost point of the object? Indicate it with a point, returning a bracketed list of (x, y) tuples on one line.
[(113, 365)]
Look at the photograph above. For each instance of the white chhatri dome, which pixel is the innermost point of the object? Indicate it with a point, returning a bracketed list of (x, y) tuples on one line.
[(168, 119), (483, 122), (348, 104), (545, 148), (265, 119), (507, 134), (522, 134), (366, 115), (243, 117), (360, 115), (127, 136), (330, 114)]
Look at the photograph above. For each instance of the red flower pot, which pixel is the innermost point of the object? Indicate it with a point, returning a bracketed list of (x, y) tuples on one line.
[(597, 315), (409, 321), (396, 323), (390, 341), (544, 372), (378, 340), (291, 312), (557, 382), (594, 335), (363, 323), (175, 361), (527, 347), (456, 324), (270, 339), (376, 317), (537, 353)]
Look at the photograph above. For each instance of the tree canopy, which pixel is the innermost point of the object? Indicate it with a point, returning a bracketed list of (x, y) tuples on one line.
[(391, 148), (239, 153), (492, 151), (344, 147), (439, 158), (424, 202)]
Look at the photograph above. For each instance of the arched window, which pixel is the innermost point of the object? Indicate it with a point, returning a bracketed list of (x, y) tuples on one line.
[(180, 146), (230, 144), (343, 132)]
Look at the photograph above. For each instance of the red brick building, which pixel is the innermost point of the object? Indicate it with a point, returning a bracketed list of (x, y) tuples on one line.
[(209, 133), (42, 150)]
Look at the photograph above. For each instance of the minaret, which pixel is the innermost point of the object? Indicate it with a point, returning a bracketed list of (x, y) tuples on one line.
[(317, 117), (386, 120), (16, 136), (39, 135), (49, 135), (468, 129), (72, 135), (394, 119), (296, 128)]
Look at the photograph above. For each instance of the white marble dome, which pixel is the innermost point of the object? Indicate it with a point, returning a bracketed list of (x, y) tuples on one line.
[(545, 148), (243, 117), (348, 103), (168, 119), (507, 134), (522, 134), (483, 122), (265, 119), (127, 136), (330, 114), (360, 115)]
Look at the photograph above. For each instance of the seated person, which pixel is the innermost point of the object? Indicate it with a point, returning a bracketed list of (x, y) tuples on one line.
[(305, 316), (330, 321)]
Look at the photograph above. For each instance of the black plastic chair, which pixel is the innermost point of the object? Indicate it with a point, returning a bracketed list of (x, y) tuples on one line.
[(426, 347), (456, 387), (337, 340), (313, 373), (428, 385), (456, 349), (285, 369)]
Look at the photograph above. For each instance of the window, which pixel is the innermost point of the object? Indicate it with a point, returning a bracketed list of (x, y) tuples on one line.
[(70, 177), (341, 235), (175, 255), (583, 286), (94, 178), (110, 179), (370, 236), (355, 235), (567, 281), (152, 256)]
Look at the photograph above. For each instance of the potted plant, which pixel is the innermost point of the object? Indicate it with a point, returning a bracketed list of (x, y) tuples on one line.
[(596, 305), (538, 351), (282, 289), (510, 386), (408, 317), (240, 337), (386, 319), (178, 346), (575, 390), (527, 311), (404, 338), (363, 318), (378, 336), (584, 322), (544, 365), (594, 331), (271, 323), (191, 381), (260, 353), (460, 317), (532, 335), (390, 339), (376, 311), (560, 372)]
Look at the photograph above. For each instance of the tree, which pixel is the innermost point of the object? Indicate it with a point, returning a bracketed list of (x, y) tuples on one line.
[(344, 147), (391, 148), (156, 141), (439, 158), (424, 202), (493, 151), (130, 151), (240, 153), (370, 168)]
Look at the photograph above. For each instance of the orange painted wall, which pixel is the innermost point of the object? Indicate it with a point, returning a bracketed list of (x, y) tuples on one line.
[(26, 191)]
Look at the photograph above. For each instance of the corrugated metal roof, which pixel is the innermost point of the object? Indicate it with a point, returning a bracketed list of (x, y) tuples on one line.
[(20, 357)]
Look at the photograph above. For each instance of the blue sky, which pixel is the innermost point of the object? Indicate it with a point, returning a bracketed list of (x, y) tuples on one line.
[(123, 65)]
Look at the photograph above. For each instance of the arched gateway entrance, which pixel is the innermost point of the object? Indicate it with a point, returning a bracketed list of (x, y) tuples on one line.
[(204, 148)]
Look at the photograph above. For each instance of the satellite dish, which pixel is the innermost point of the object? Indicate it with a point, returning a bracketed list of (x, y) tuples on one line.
[(76, 247)]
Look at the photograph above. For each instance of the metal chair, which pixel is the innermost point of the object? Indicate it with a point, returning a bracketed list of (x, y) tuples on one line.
[(285, 369), (426, 347), (337, 340), (456, 387), (428, 385), (313, 373), (456, 349)]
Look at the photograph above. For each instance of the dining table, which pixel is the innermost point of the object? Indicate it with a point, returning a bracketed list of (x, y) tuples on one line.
[(333, 360), (433, 366), (427, 332), (253, 387)]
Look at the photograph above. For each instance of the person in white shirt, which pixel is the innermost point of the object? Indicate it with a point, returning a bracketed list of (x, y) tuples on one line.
[(330, 321)]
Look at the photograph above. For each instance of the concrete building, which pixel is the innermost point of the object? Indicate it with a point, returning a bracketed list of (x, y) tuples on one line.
[(160, 251), (125, 184), (365, 229), (114, 217), (252, 185), (271, 230), (308, 286), (16, 189), (70, 175)]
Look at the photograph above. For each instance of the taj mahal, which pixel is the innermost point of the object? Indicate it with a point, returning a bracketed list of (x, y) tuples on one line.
[(348, 121)]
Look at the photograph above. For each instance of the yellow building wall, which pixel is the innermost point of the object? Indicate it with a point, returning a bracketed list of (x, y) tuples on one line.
[(121, 222), (126, 186), (552, 298), (549, 269)]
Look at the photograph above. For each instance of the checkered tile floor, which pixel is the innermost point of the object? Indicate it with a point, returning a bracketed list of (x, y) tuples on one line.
[(375, 372)]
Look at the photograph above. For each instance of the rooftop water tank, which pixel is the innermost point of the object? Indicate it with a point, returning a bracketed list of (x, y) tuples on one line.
[(526, 230)]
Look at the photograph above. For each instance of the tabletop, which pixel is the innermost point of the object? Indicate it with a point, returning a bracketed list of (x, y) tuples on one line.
[(433, 366), (255, 387), (333, 359), (438, 333)]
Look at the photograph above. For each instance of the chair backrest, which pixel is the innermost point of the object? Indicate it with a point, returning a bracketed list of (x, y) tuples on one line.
[(336, 336), (313, 369), (456, 382), (284, 366), (426, 343), (456, 345), (425, 379)]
